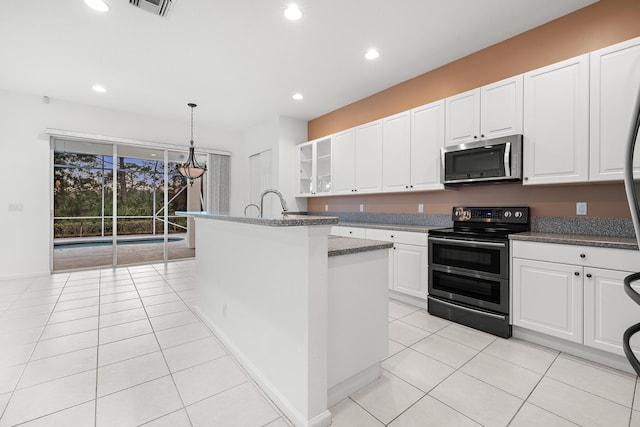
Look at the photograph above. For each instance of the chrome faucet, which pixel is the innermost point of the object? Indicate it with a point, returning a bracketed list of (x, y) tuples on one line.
[(276, 192), (248, 206)]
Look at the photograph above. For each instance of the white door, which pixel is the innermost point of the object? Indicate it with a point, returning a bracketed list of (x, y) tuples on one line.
[(556, 123), (409, 270), (463, 117), (427, 137), (260, 179), (501, 108), (344, 162), (396, 152), (369, 157), (547, 297), (608, 311), (615, 80)]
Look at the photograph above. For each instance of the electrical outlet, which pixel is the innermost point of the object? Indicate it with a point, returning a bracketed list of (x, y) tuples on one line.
[(420, 208), (16, 207), (361, 207), (326, 208), (581, 208)]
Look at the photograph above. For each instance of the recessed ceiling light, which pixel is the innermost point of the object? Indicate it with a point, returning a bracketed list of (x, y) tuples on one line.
[(293, 12), (99, 5), (298, 96), (372, 54), (99, 88)]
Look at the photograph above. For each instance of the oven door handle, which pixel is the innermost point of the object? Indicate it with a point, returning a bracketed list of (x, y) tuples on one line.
[(472, 243), (471, 310)]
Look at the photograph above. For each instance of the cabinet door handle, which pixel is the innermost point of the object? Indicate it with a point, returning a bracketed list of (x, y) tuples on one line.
[(406, 186), (576, 273), (482, 136), (475, 136), (589, 275), (392, 236), (583, 255)]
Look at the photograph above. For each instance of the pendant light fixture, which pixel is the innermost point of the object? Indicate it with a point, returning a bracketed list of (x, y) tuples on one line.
[(191, 169)]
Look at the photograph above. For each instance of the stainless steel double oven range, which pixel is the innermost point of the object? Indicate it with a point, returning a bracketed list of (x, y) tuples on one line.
[(469, 267)]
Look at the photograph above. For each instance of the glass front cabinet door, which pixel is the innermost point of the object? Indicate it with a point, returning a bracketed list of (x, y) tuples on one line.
[(314, 165)]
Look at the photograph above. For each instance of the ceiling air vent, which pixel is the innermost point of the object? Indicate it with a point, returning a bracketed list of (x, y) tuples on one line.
[(157, 7)]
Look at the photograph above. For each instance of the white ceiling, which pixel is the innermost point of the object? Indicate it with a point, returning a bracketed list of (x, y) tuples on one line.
[(241, 60)]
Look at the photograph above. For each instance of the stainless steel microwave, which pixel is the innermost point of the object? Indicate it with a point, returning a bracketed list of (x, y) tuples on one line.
[(491, 160)]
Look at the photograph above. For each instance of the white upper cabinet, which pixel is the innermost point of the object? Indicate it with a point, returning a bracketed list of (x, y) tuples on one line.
[(396, 152), (501, 108), (488, 112), (556, 123), (369, 157), (314, 162), (615, 80), (427, 137), (463, 117), (411, 143), (357, 161), (344, 160)]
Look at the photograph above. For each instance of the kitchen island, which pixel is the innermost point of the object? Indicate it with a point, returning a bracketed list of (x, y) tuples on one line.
[(306, 315)]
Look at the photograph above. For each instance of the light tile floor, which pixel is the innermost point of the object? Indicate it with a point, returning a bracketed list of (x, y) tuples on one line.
[(122, 347)]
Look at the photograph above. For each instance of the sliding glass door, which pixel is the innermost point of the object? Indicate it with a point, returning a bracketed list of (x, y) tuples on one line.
[(100, 220)]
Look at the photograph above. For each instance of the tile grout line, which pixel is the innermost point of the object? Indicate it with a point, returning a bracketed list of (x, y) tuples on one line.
[(34, 348), (164, 358), (459, 369)]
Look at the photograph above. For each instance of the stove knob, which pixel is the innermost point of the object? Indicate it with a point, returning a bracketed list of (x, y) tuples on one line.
[(507, 214), (518, 214)]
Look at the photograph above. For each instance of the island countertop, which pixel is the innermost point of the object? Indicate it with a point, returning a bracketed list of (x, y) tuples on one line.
[(283, 221)]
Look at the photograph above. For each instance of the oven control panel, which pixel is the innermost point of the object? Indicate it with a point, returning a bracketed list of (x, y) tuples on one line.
[(512, 215)]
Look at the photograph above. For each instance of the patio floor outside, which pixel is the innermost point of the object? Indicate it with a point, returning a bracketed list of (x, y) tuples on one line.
[(74, 257)]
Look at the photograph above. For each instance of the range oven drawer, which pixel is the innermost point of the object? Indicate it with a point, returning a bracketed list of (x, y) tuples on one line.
[(476, 257), (489, 293)]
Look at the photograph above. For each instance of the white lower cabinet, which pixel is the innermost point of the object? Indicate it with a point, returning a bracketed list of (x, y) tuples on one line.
[(574, 292), (608, 310), (407, 260), (547, 297), (409, 270)]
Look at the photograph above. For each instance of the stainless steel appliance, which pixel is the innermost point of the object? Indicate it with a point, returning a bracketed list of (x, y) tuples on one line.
[(632, 189), (469, 267), (492, 160)]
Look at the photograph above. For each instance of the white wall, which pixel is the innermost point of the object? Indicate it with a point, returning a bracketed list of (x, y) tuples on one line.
[(24, 244), (292, 133), (281, 135)]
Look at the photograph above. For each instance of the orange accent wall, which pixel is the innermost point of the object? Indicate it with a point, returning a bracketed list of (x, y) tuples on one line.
[(602, 24)]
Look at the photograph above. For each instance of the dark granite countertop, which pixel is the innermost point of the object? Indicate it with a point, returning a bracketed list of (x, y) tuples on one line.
[(282, 221), (395, 227), (578, 239), (349, 245)]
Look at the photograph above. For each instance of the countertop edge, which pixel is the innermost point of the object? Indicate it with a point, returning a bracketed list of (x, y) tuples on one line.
[(285, 221), (394, 227), (628, 243), (348, 245)]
